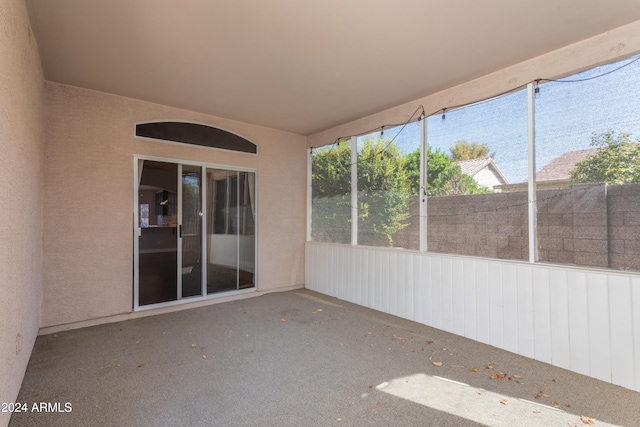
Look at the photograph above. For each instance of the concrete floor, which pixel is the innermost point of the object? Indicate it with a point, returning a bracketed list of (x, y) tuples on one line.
[(299, 358)]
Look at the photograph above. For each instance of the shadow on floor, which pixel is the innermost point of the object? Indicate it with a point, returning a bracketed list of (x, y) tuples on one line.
[(300, 358)]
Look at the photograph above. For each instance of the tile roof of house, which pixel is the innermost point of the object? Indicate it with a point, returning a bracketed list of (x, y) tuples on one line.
[(560, 167), (473, 166)]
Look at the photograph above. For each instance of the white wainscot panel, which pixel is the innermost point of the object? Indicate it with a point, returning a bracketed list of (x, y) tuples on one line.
[(483, 318), (458, 311), (510, 303), (599, 327), (541, 315), (587, 321), (496, 305), (524, 283), (622, 354), (446, 277), (560, 355), (578, 322), (635, 291)]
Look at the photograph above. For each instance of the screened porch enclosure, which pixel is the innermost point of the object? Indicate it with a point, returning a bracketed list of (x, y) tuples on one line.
[(549, 172), (537, 252)]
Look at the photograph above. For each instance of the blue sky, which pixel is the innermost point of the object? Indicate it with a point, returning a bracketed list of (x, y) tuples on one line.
[(567, 115)]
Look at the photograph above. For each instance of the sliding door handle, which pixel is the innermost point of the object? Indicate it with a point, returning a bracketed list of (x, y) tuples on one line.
[(180, 231)]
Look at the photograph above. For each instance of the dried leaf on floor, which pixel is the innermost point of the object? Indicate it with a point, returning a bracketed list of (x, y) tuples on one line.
[(283, 320), (489, 366), (437, 363), (473, 369), (504, 402), (587, 420), (403, 340), (498, 376)]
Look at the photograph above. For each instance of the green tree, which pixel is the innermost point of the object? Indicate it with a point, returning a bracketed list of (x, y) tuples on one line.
[(331, 171), (465, 150), (444, 177), (451, 181), (412, 169), (617, 160), (387, 183), (331, 194), (384, 189)]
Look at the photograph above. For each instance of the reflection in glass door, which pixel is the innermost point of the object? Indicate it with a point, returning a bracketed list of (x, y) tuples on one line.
[(190, 231), (230, 230), (178, 254), (158, 241)]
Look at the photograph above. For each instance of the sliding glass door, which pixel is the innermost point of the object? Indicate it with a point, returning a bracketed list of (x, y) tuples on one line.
[(194, 237), (231, 230)]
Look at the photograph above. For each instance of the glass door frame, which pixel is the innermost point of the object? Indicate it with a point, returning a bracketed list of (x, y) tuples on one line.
[(138, 161)]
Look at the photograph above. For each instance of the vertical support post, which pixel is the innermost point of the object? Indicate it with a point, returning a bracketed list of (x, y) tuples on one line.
[(354, 190), (138, 165), (179, 232), (237, 230), (423, 184), (309, 190), (533, 208), (203, 224)]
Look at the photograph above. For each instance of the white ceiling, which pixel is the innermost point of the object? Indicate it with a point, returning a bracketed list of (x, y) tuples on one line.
[(301, 65)]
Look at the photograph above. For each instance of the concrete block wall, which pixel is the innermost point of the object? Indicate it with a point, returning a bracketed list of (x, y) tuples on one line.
[(492, 225), (592, 225), (572, 225), (623, 202)]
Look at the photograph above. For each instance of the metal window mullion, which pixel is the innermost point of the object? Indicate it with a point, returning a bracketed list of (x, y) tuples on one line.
[(354, 190), (179, 237), (204, 227), (532, 205), (138, 166), (237, 230), (227, 205), (423, 184), (309, 192)]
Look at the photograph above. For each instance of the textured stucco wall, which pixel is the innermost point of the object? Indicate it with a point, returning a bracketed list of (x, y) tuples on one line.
[(88, 220), (21, 160)]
